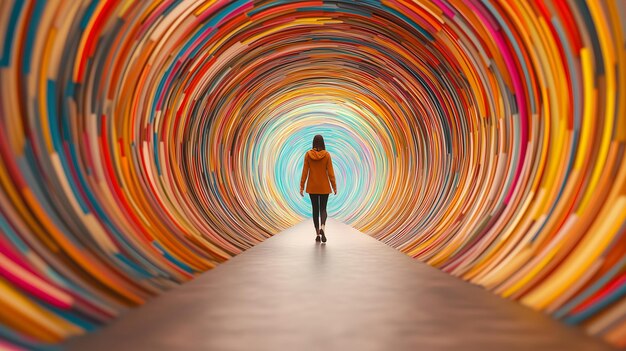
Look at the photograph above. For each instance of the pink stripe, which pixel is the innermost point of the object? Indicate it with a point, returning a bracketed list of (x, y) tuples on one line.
[(520, 94), (445, 8), (9, 347), (24, 284)]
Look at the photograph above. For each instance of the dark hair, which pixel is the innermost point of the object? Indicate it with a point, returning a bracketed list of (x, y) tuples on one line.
[(318, 142)]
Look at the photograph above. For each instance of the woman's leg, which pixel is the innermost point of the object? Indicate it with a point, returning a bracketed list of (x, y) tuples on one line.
[(315, 202), (323, 202)]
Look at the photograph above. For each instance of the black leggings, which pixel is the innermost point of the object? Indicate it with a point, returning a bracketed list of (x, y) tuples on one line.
[(319, 209)]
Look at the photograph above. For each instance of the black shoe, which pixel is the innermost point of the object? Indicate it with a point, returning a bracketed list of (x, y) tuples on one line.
[(317, 238), (323, 236)]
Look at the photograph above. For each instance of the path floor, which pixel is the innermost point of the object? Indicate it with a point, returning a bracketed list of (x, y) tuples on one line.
[(352, 293)]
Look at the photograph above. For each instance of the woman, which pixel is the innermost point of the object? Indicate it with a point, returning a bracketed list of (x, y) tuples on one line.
[(318, 167)]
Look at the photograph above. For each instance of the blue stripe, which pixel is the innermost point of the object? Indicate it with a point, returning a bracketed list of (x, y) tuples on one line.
[(5, 56)]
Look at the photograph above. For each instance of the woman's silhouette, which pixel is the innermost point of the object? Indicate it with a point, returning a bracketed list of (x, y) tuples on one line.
[(318, 167)]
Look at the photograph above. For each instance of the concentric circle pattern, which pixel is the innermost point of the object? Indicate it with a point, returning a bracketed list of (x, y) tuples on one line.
[(143, 142)]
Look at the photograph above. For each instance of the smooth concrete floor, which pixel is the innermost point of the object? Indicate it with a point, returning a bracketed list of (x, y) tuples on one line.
[(352, 293)]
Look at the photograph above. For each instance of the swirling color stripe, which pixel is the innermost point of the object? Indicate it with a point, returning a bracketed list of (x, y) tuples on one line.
[(143, 142)]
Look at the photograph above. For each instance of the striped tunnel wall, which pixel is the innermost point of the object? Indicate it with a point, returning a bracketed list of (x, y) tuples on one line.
[(144, 142)]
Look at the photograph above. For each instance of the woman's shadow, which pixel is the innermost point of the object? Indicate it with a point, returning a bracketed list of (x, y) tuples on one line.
[(319, 254)]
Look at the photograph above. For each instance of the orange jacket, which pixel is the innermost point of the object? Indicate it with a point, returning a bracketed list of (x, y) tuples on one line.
[(318, 166)]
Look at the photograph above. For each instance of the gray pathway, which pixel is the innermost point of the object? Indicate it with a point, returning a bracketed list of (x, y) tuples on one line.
[(353, 293)]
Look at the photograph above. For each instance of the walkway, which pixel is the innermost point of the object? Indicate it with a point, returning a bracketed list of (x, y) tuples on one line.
[(353, 293)]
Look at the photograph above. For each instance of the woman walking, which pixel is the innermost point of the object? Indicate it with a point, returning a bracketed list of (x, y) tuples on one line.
[(318, 168)]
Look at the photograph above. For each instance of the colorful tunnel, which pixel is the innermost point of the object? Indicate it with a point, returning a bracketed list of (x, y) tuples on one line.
[(144, 142)]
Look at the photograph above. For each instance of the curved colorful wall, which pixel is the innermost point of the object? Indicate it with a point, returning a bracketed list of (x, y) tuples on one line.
[(144, 142)]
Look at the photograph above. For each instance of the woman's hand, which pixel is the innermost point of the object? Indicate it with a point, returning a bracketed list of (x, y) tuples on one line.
[(335, 191), (302, 193)]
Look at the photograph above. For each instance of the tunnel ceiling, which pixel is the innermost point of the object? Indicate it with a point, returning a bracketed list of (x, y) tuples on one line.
[(144, 142)]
